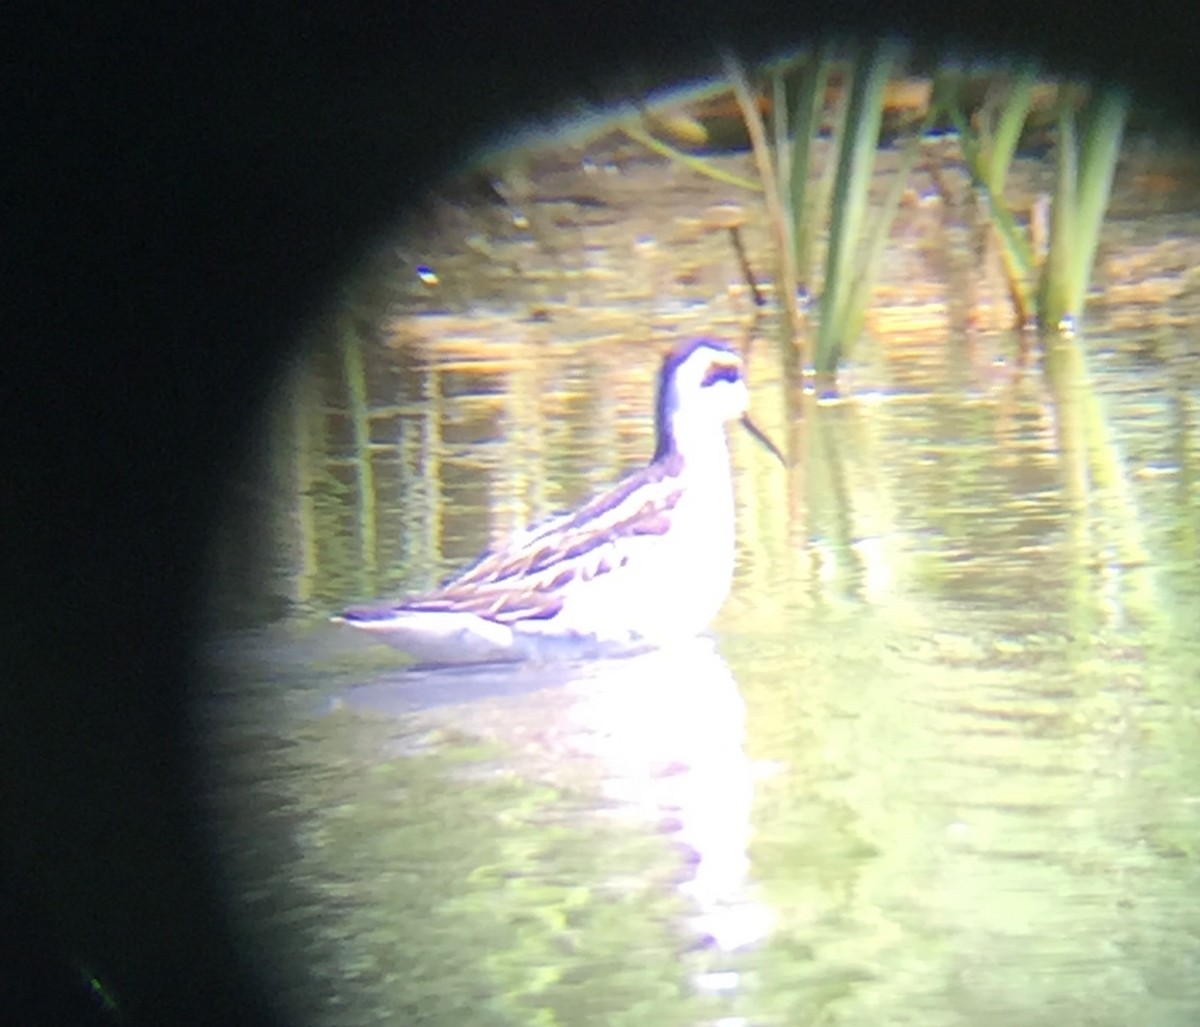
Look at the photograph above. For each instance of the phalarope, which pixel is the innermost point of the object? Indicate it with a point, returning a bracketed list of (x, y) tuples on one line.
[(647, 561)]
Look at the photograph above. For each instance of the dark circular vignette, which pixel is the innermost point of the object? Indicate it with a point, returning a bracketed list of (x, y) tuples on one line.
[(188, 191)]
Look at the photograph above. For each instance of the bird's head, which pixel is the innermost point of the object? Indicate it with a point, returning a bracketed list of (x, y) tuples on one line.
[(701, 386)]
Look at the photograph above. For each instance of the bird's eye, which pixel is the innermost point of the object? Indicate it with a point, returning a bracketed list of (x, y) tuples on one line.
[(721, 373)]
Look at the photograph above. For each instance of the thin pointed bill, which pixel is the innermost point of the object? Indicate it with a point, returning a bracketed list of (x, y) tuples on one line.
[(762, 437)]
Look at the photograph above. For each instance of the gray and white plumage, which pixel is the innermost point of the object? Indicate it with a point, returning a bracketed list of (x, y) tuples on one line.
[(647, 561)]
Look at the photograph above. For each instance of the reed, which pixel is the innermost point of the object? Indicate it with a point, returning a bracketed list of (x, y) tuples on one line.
[(1086, 164), (872, 251), (802, 205), (770, 175), (1049, 290), (805, 203), (988, 143), (851, 195)]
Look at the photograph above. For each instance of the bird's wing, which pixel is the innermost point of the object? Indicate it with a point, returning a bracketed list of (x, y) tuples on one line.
[(525, 579)]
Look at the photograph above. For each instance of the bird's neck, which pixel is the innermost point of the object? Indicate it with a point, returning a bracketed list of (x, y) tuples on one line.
[(699, 442), (703, 457)]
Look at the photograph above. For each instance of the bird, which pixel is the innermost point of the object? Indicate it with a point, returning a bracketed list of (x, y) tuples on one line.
[(648, 561)]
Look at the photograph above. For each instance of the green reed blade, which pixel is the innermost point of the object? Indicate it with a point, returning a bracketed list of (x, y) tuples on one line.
[(1055, 303), (864, 285), (850, 198), (785, 274), (781, 144), (805, 129), (1003, 142), (818, 212), (1097, 164), (1016, 250)]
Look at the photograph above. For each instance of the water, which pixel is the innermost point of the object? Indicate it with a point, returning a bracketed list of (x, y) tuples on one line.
[(936, 764)]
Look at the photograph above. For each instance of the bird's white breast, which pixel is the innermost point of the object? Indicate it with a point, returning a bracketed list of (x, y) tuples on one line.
[(663, 586)]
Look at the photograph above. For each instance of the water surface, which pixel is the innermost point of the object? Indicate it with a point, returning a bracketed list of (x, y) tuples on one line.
[(936, 762)]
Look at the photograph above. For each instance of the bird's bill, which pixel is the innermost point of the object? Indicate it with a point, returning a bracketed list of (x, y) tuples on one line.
[(762, 437)]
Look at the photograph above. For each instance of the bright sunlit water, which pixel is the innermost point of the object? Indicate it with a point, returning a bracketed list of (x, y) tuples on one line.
[(936, 763)]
